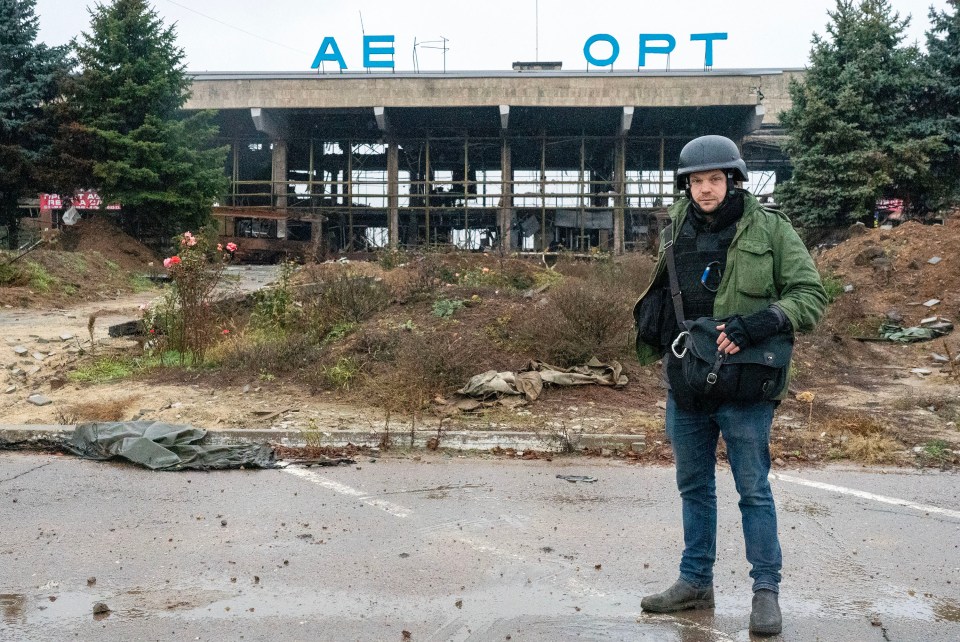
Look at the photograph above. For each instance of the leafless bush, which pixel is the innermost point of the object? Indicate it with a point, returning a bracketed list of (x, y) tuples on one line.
[(428, 364), (266, 355), (376, 345), (355, 297), (581, 319)]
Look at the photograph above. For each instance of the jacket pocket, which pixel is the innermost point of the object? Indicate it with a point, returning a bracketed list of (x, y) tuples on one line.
[(755, 269)]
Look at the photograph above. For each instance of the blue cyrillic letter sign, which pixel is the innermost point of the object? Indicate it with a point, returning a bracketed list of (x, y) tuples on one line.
[(604, 37), (708, 38), (655, 37), (369, 51), (334, 56)]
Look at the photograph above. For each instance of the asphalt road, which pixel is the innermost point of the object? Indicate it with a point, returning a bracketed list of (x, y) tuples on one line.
[(455, 548)]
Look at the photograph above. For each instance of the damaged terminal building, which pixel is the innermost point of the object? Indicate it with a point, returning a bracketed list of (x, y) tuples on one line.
[(532, 159)]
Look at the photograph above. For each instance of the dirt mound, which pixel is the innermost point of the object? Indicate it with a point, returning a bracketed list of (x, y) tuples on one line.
[(58, 278), (895, 271), (99, 234)]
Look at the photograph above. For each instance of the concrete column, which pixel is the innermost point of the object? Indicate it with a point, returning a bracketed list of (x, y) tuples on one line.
[(506, 196), (393, 192), (620, 200), (279, 178)]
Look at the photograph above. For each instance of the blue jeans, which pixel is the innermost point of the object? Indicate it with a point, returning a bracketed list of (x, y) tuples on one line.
[(746, 431)]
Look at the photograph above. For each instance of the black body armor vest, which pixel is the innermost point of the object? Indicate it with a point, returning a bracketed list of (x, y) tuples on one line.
[(701, 259)]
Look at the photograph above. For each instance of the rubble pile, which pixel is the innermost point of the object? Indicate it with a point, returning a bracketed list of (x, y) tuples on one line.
[(902, 275)]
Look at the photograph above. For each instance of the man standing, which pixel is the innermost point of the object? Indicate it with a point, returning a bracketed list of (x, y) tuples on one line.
[(745, 264)]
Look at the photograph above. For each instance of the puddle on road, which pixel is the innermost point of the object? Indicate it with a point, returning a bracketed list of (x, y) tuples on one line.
[(946, 610), (603, 616), (21, 612), (14, 606)]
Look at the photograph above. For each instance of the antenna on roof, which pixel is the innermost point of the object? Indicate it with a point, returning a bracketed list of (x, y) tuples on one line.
[(536, 30), (363, 31), (431, 44)]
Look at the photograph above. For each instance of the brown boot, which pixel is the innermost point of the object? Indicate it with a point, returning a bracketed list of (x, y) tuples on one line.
[(679, 597)]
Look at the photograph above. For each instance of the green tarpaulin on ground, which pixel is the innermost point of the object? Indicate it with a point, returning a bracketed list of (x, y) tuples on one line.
[(893, 332), (163, 446)]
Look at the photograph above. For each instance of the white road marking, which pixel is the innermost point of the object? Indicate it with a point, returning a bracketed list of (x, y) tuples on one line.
[(926, 508), (394, 509)]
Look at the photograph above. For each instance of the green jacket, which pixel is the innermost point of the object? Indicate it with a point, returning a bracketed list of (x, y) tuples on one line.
[(767, 263)]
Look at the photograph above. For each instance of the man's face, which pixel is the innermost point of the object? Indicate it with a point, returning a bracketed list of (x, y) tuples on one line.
[(708, 189)]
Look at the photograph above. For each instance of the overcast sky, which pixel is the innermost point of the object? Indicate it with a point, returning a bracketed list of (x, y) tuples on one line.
[(285, 35)]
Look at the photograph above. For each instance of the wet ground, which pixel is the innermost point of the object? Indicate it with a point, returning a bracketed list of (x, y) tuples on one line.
[(454, 548)]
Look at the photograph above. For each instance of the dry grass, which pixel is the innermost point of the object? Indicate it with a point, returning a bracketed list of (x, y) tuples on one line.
[(871, 449), (861, 439), (97, 410)]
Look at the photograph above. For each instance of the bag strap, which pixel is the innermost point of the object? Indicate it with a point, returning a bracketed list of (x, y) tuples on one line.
[(675, 293)]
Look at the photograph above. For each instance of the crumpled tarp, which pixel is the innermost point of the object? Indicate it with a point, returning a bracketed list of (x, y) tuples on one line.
[(530, 380), (163, 446), (893, 332)]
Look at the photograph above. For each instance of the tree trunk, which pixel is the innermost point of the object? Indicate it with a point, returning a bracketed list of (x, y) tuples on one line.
[(10, 218)]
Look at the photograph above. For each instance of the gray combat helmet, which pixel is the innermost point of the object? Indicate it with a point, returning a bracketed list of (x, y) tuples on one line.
[(710, 152)]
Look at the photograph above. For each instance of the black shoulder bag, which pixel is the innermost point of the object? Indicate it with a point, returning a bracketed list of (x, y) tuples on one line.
[(755, 373)]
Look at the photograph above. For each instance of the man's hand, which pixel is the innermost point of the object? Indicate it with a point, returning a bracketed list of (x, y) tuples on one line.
[(724, 343), (742, 332)]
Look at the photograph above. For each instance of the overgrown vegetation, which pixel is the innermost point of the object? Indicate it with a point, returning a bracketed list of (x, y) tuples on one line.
[(103, 370), (184, 321), (402, 337)]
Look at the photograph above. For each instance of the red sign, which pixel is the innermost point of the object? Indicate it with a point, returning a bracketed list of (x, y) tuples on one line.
[(88, 200)]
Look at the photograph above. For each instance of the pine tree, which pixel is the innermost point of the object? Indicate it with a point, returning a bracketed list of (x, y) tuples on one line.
[(942, 99), (158, 162), (852, 134), (29, 75)]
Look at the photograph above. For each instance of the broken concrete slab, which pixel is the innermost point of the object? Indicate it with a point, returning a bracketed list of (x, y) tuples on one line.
[(126, 329), (39, 400), (20, 350), (39, 356), (66, 336), (939, 358), (10, 389), (931, 303)]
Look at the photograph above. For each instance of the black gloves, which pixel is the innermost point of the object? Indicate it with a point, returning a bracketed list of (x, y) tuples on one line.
[(754, 328)]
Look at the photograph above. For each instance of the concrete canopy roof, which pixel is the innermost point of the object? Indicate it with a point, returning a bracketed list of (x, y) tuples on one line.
[(469, 98)]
